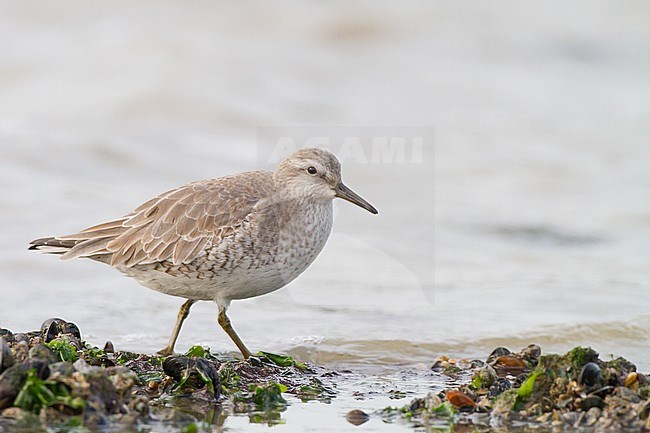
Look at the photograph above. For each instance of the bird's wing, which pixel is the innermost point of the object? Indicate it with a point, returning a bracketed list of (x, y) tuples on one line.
[(177, 225)]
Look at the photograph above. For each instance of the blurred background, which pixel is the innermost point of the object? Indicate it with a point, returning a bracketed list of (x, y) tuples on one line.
[(526, 221)]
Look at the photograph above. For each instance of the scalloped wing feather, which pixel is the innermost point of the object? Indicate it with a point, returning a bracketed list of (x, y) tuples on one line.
[(177, 225)]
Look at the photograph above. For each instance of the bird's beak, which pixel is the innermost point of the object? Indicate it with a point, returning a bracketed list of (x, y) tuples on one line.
[(346, 193)]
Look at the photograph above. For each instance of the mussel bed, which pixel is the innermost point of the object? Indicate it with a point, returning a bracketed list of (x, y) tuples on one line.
[(52, 380), (529, 391)]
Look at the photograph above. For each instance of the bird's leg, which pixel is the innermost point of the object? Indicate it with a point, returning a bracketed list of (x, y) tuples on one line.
[(182, 315), (224, 321)]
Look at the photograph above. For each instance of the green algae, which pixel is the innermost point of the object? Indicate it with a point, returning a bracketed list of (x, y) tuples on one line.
[(37, 393), (507, 401), (527, 387), (198, 351), (441, 416), (64, 350), (579, 356), (316, 390), (229, 379), (281, 360), (268, 396)]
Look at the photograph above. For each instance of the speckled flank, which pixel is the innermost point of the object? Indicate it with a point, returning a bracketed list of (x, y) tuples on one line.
[(261, 256)]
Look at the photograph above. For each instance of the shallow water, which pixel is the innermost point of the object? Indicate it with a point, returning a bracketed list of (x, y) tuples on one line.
[(525, 219)]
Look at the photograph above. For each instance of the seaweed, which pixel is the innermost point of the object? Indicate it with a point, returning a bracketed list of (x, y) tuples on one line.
[(64, 349), (37, 393), (281, 360)]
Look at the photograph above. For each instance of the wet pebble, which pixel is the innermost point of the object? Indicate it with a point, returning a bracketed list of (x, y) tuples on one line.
[(14, 413), (357, 417), (20, 337), (591, 418)]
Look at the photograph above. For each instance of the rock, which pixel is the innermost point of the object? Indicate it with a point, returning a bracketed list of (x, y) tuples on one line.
[(485, 377), (592, 401), (44, 353), (14, 413), (6, 357), (592, 416), (12, 379), (20, 351)]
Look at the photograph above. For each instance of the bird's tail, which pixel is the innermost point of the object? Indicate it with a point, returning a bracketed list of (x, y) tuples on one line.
[(92, 242), (52, 245)]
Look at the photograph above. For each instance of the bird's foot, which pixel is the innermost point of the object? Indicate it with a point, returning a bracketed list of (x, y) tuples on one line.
[(166, 351), (256, 361)]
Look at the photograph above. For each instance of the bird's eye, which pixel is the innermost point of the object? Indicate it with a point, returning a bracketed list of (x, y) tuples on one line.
[(312, 170)]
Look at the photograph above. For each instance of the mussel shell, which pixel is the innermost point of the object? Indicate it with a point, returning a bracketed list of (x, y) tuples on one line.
[(70, 328), (460, 399), (210, 370), (51, 328), (496, 353), (500, 386), (531, 353), (7, 335), (175, 365), (179, 367), (590, 375)]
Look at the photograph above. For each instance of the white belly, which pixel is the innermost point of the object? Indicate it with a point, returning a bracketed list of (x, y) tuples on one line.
[(251, 263)]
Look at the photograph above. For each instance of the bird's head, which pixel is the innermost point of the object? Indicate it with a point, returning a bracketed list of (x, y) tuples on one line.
[(315, 173)]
